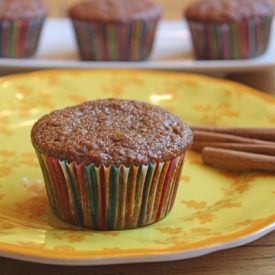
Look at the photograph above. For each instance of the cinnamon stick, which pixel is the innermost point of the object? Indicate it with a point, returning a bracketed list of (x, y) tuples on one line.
[(266, 149), (248, 132), (231, 159), (220, 137)]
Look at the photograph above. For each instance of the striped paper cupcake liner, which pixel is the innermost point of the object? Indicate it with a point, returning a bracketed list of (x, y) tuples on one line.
[(109, 198), (240, 40), (115, 42), (19, 38)]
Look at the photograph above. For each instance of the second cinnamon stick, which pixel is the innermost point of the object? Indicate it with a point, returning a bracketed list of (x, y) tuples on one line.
[(266, 149), (231, 159)]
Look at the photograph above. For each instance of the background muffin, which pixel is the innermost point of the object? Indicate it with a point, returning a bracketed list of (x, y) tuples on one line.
[(111, 164), (20, 26), (230, 29), (115, 30)]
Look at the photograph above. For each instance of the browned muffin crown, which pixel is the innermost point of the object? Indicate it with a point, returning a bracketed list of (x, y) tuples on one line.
[(112, 131), (226, 11), (115, 10), (22, 9)]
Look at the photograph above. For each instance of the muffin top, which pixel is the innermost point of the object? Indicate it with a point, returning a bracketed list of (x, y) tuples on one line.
[(227, 11), (22, 9), (115, 10), (112, 131)]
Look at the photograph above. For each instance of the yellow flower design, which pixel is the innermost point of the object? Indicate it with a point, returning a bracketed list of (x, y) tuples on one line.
[(200, 230), (185, 178), (30, 99), (241, 181), (206, 213), (11, 159), (88, 232), (78, 235), (5, 226), (35, 206), (170, 87), (29, 159), (107, 233), (4, 124), (187, 237), (169, 230), (77, 99), (71, 237), (227, 204), (116, 85), (206, 217), (212, 114), (8, 161), (52, 79), (194, 204)]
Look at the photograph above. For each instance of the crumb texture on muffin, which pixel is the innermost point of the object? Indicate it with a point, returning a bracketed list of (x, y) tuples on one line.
[(112, 131), (115, 10), (22, 9), (225, 11)]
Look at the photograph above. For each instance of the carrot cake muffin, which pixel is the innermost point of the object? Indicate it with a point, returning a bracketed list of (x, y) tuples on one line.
[(21, 22), (115, 30), (230, 29), (111, 163)]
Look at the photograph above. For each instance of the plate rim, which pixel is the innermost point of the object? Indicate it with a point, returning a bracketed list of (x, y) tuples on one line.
[(124, 259)]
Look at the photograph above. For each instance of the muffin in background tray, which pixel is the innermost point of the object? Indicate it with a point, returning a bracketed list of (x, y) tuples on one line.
[(21, 22), (230, 29), (111, 163), (115, 30)]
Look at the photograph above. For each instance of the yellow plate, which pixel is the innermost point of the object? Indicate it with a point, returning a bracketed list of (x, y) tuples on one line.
[(214, 209)]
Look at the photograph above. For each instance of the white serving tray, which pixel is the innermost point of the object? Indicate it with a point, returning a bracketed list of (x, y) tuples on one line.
[(172, 51)]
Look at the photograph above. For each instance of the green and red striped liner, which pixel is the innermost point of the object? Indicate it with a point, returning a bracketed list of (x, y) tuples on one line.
[(19, 38), (110, 198), (241, 40), (115, 41)]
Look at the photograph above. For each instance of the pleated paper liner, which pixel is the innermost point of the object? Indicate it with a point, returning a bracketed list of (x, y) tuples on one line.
[(19, 38), (109, 198), (115, 41), (240, 40)]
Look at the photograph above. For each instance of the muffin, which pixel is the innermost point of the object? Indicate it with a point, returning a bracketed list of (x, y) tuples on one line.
[(115, 30), (21, 22), (230, 29), (111, 163)]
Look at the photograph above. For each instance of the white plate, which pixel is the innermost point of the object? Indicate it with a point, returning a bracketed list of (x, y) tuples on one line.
[(172, 50)]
